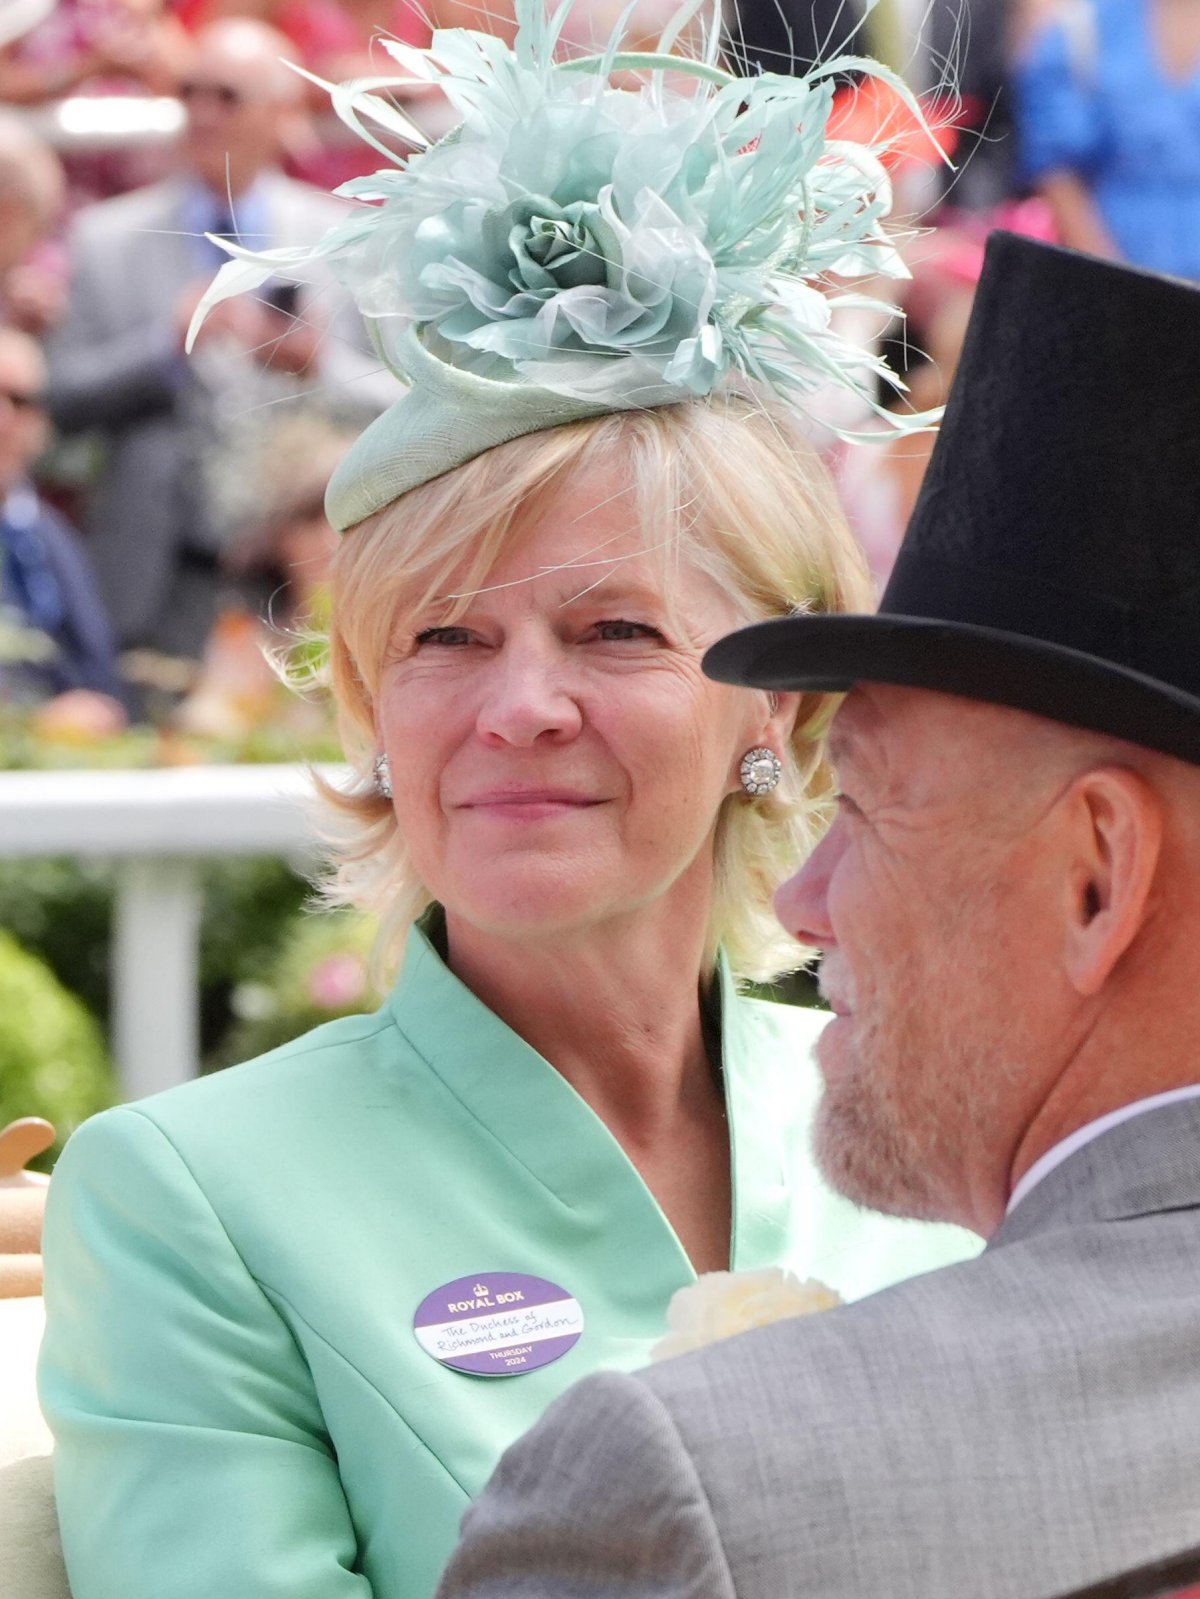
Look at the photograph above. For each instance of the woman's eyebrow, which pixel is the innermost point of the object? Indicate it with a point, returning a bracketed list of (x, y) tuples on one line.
[(612, 590)]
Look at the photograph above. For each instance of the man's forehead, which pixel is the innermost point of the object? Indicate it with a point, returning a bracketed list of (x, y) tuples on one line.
[(905, 738), (920, 741), (859, 732)]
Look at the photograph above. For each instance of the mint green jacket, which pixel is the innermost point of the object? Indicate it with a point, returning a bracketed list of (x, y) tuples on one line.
[(239, 1401)]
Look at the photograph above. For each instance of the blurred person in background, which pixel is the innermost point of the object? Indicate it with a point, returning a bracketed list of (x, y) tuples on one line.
[(969, 47), (88, 42), (879, 487), (791, 35), (96, 48), (286, 557), (335, 39), (32, 279), (47, 592), (139, 265), (1108, 113), (326, 35)]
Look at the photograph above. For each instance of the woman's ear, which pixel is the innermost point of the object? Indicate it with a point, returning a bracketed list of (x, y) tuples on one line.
[(1117, 826), (780, 723), (769, 725)]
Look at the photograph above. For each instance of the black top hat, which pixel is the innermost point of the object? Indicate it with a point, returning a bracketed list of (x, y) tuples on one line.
[(1053, 558)]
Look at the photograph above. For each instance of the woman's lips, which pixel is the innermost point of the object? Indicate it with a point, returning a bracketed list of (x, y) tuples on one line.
[(527, 805)]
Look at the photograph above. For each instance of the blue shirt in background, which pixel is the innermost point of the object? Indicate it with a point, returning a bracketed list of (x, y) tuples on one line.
[(1092, 98), (46, 582)]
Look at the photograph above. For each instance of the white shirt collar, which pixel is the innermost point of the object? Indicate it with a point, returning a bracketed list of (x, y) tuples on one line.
[(1084, 1135)]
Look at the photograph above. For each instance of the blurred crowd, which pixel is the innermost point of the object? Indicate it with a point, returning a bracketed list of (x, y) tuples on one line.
[(160, 515)]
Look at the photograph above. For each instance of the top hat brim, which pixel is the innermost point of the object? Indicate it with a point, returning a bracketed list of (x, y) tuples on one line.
[(1051, 562), (833, 653)]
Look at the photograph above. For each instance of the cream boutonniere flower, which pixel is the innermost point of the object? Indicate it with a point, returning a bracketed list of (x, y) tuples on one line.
[(720, 1304)]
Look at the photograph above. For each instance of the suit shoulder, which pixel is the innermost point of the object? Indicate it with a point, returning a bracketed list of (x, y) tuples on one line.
[(923, 1328), (124, 214), (290, 197), (589, 1434)]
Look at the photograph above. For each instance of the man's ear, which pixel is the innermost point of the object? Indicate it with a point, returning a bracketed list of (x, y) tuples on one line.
[(1116, 830)]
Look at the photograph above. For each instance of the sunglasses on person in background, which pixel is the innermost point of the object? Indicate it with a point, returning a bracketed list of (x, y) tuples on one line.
[(24, 399), (224, 94)]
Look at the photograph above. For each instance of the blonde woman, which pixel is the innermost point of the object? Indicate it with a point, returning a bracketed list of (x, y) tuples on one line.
[(297, 1310)]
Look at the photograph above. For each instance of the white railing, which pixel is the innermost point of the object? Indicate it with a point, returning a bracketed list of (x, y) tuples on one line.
[(158, 826)]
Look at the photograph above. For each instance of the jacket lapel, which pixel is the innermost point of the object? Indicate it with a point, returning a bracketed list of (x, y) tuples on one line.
[(545, 1125)]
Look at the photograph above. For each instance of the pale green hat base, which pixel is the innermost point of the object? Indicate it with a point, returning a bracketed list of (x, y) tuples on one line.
[(447, 418)]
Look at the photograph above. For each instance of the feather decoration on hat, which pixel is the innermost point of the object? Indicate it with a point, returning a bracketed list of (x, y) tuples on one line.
[(619, 247)]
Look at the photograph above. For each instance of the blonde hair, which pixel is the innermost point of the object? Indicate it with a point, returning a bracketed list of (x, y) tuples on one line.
[(726, 485)]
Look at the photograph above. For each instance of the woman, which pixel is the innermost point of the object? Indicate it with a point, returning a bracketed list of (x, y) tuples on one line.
[(1108, 116), (297, 1310)]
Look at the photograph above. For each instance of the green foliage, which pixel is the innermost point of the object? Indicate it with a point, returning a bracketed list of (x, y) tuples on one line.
[(25, 746), (249, 908), (793, 988), (321, 972), (61, 911), (52, 1057)]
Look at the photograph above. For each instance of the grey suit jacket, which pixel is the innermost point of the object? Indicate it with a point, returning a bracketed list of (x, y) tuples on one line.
[(1017, 1426), (115, 366)]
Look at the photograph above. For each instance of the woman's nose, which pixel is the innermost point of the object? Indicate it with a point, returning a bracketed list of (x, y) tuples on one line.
[(528, 699), (802, 903)]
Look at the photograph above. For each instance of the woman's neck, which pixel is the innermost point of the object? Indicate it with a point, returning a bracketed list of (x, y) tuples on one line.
[(615, 1009)]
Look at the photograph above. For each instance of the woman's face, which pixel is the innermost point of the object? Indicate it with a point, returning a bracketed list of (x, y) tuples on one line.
[(558, 758)]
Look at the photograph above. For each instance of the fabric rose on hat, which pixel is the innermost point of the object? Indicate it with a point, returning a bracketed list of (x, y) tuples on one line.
[(615, 247)]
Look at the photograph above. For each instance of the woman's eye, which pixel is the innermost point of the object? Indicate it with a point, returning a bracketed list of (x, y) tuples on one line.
[(617, 630), (454, 637)]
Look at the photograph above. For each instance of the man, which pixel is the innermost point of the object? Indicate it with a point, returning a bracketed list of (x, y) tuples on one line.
[(140, 263), (58, 644), (1009, 902)]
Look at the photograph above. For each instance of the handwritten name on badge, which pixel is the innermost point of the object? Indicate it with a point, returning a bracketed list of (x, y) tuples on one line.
[(499, 1324)]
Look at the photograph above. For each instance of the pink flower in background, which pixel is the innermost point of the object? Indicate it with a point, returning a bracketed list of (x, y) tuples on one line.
[(338, 982)]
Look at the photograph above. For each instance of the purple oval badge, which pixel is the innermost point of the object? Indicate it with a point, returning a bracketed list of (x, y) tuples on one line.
[(499, 1324)]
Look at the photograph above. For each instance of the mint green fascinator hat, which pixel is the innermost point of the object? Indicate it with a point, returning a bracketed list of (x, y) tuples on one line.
[(574, 248)]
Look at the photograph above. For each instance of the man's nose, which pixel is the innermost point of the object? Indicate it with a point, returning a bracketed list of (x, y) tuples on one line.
[(528, 698), (802, 903)]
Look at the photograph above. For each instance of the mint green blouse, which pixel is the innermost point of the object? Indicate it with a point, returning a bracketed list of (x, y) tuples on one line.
[(240, 1404)]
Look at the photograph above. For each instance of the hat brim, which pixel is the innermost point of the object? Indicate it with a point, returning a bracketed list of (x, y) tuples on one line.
[(832, 653)]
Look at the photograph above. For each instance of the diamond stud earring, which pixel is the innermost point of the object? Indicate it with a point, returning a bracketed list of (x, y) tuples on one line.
[(761, 770), (383, 776)]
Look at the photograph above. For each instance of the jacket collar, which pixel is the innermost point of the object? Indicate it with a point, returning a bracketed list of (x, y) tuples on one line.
[(525, 1104), (1138, 1168)]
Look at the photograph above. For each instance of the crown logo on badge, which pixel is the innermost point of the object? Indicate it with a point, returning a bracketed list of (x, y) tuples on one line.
[(481, 1290)]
